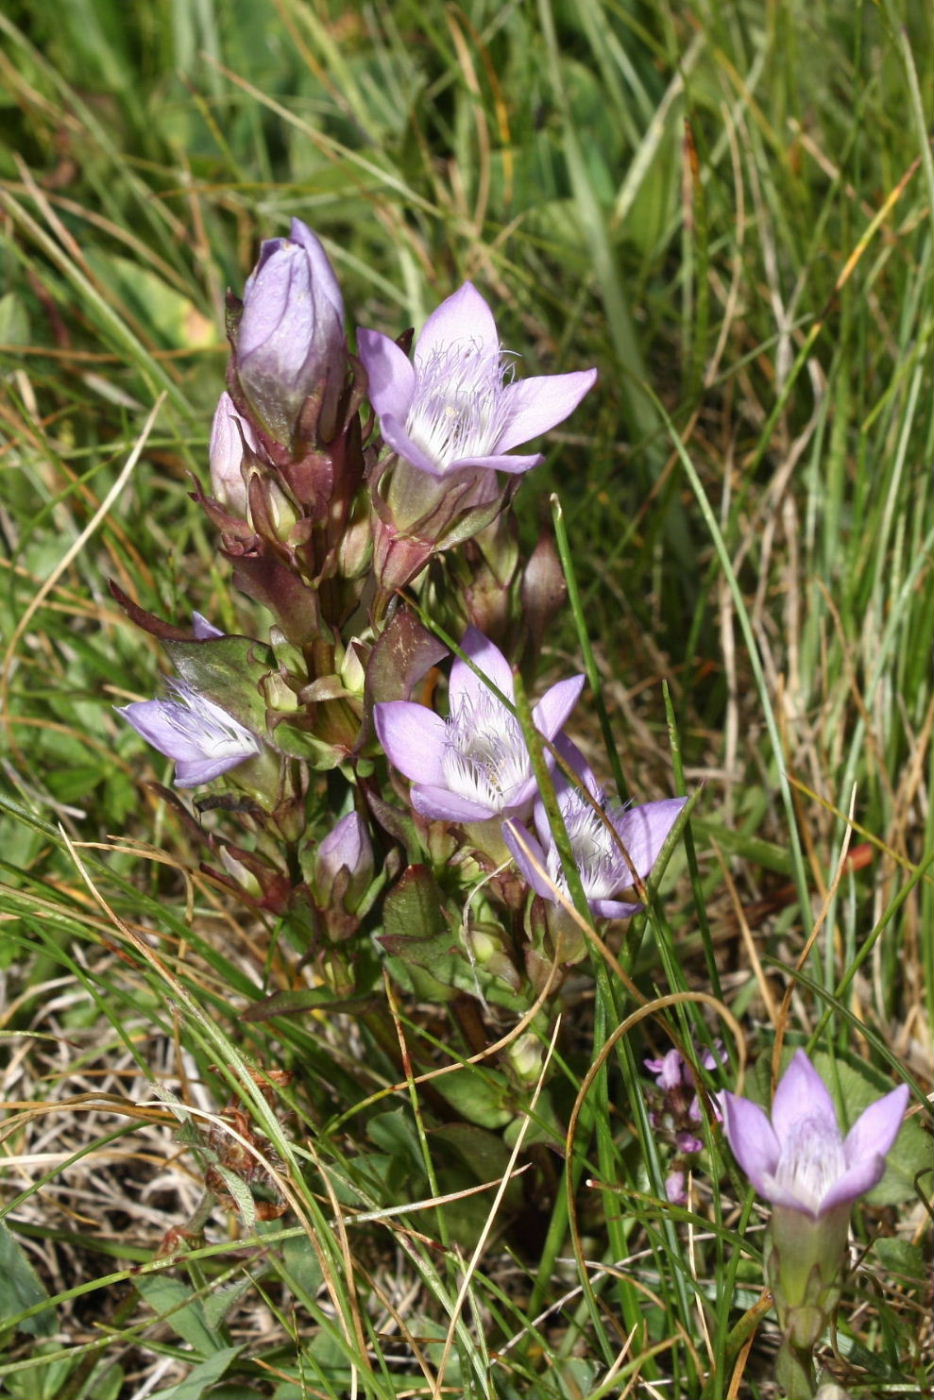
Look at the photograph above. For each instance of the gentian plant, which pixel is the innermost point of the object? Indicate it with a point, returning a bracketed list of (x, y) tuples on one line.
[(801, 1163), (364, 502)]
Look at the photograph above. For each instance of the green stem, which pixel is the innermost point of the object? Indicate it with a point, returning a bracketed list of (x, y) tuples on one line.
[(794, 1371)]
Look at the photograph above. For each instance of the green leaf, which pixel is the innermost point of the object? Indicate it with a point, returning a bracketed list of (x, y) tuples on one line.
[(305, 999), (14, 320), (174, 1301), (228, 670), (482, 1151), (219, 1303), (21, 1288), (196, 1383), (394, 1132), (482, 1097), (162, 312), (903, 1259), (412, 916), (302, 1266)]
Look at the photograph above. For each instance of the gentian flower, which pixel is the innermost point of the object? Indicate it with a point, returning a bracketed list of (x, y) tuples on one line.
[(292, 328), (801, 1162), (612, 846), (454, 405), (475, 764), (204, 740)]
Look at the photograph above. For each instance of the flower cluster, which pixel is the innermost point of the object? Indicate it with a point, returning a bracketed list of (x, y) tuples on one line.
[(323, 527)]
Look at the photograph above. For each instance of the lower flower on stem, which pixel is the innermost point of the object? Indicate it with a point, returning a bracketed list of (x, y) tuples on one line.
[(801, 1163)]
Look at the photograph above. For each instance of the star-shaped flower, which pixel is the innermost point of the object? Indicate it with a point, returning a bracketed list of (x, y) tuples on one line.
[(475, 764), (800, 1159), (455, 404), (612, 846)]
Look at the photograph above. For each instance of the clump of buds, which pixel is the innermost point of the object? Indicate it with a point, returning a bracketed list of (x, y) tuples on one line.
[(677, 1114)]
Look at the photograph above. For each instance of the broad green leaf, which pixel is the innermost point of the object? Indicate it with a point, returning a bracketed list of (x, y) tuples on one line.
[(21, 1288), (174, 1301), (196, 1385)]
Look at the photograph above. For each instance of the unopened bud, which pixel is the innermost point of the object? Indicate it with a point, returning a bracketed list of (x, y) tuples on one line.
[(343, 866), (291, 334), (230, 432)]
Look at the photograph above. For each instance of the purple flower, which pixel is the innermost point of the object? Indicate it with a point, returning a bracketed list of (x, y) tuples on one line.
[(612, 846), (291, 330), (455, 405), (344, 864), (230, 431), (204, 740), (674, 1074), (800, 1160), (672, 1071), (676, 1187), (475, 764)]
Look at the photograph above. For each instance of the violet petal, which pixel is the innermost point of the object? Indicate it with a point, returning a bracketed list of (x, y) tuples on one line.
[(323, 276), (440, 804), (529, 857), (552, 711), (644, 831), (391, 378), (801, 1094), (614, 908), (464, 687), (413, 737), (514, 465), (463, 316), (394, 433), (535, 405), (876, 1129), (752, 1139)]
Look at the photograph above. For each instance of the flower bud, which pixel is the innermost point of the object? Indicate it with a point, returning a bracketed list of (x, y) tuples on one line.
[(676, 1189), (488, 946), (291, 332), (343, 866), (353, 667), (525, 1057), (229, 432)]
